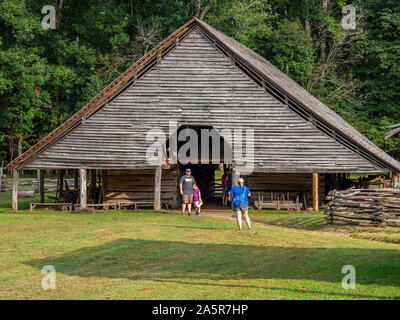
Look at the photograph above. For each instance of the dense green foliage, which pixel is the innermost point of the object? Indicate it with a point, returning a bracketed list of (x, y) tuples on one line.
[(47, 75)]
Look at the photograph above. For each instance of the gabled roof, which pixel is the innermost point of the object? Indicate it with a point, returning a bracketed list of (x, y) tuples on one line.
[(394, 132), (394, 126), (269, 76)]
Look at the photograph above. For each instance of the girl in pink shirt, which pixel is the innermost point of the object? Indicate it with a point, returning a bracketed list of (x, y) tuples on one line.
[(197, 199)]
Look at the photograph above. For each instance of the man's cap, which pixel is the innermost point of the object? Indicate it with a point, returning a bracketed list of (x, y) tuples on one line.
[(188, 170), (241, 180)]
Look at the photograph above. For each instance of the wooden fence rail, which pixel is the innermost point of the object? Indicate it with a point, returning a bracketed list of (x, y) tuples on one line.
[(364, 207)]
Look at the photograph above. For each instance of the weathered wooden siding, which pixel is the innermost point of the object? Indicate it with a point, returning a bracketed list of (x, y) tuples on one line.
[(196, 85), (138, 185)]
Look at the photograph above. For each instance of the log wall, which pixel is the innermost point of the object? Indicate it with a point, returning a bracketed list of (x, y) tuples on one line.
[(276, 185), (138, 186)]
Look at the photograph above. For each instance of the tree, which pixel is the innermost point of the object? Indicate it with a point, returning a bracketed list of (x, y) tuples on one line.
[(202, 8)]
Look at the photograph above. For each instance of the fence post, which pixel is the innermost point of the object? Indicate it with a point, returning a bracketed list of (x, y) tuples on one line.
[(15, 190)]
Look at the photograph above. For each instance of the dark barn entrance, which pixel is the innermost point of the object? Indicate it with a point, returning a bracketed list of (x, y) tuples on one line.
[(204, 151), (204, 175)]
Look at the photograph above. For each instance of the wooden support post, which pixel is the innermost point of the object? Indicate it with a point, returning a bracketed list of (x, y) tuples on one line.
[(41, 185), (396, 180), (235, 176), (62, 172), (15, 190), (315, 192), (76, 179), (157, 188), (60, 184), (176, 194), (83, 174), (92, 189)]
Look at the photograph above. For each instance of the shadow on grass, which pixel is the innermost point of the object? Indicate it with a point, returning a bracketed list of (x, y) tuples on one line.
[(292, 220), (197, 227), (201, 264)]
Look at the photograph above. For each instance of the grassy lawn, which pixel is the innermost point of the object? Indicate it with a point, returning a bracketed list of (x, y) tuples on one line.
[(148, 255)]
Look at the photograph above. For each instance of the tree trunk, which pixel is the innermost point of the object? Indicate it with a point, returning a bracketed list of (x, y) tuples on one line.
[(206, 8), (131, 3), (11, 148), (19, 147), (197, 6), (323, 30), (307, 28), (307, 25)]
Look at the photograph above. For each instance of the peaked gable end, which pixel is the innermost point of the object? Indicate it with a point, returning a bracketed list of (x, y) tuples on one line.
[(195, 84)]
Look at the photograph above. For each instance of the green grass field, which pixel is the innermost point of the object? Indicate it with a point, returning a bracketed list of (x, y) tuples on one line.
[(147, 255)]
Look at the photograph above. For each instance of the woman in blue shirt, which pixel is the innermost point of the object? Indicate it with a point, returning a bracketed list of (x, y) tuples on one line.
[(240, 203)]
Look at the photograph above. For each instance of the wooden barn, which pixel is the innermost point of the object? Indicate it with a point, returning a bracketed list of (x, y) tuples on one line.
[(394, 132), (199, 78)]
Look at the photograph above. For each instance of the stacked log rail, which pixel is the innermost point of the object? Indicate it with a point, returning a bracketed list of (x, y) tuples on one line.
[(364, 207)]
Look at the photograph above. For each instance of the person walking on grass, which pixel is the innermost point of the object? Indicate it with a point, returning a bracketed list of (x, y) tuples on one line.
[(240, 203), (228, 185), (186, 183), (224, 188), (197, 199)]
